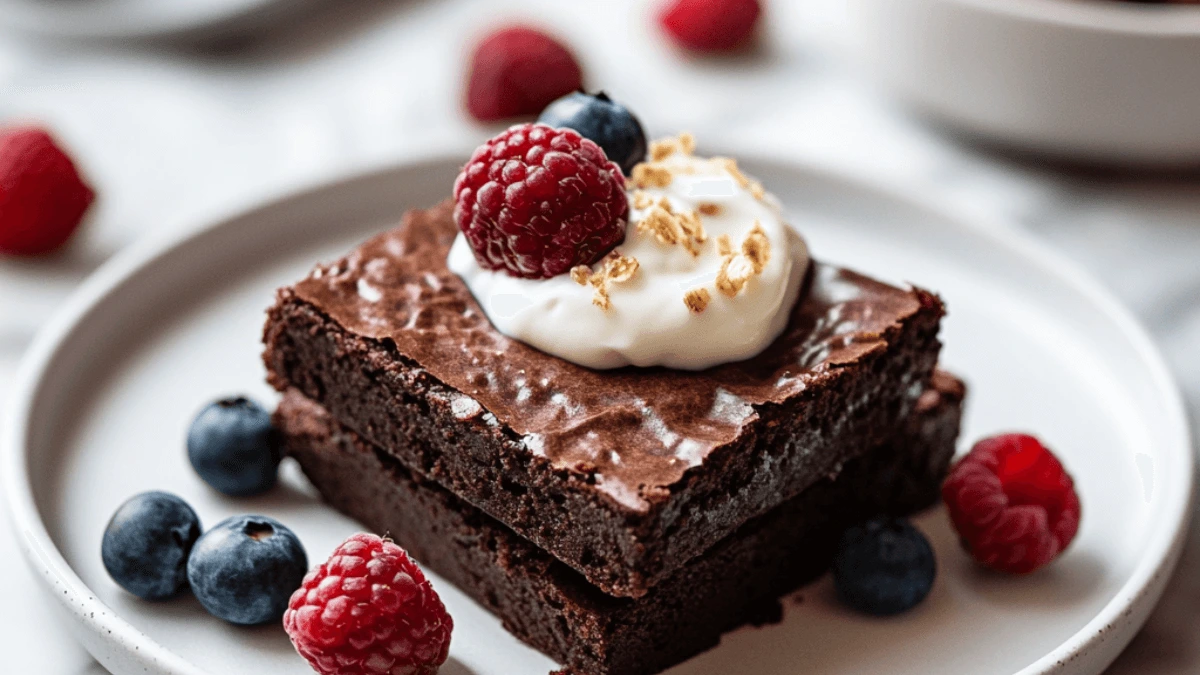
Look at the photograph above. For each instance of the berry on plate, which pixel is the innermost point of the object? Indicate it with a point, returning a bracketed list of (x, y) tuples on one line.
[(519, 70), (245, 569), (711, 25), (603, 121), (42, 197), (883, 567), (537, 201), (1013, 504), (146, 544), (369, 609), (233, 446)]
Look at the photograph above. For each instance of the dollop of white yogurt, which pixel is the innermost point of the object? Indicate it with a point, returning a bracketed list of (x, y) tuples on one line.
[(647, 322)]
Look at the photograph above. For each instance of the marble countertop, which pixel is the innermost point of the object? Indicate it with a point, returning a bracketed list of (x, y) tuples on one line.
[(172, 137)]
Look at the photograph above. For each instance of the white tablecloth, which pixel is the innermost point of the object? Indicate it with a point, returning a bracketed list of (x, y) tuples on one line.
[(171, 136)]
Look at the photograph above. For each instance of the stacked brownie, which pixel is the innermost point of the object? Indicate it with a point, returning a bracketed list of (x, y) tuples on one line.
[(619, 520)]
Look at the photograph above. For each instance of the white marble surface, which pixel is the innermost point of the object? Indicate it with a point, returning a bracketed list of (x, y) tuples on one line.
[(174, 136)]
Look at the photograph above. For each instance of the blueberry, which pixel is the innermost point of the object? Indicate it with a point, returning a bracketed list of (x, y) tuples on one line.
[(146, 544), (606, 122), (234, 447), (245, 569), (883, 567)]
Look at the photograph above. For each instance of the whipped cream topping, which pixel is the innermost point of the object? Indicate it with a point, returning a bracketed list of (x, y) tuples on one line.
[(674, 294)]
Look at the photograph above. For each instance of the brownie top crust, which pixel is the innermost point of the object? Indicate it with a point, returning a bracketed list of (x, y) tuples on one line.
[(634, 431)]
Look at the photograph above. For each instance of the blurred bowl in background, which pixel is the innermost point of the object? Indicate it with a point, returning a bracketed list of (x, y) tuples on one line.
[(1105, 81), (139, 19)]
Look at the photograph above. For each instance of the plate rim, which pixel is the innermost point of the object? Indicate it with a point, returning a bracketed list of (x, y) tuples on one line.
[(1141, 589)]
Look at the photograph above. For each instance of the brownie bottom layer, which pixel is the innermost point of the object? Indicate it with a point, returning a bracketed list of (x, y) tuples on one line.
[(554, 609)]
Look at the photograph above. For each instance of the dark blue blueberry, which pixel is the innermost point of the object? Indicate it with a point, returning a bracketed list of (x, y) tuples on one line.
[(883, 567), (609, 124), (234, 447), (245, 569), (146, 544)]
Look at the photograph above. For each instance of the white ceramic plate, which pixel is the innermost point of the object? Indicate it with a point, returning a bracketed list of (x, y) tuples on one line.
[(108, 390), (132, 18)]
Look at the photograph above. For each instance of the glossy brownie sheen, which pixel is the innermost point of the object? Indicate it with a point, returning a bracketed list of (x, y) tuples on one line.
[(623, 474), (554, 609)]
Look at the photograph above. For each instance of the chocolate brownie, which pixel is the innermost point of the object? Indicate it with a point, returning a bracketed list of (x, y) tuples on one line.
[(554, 609), (624, 474)]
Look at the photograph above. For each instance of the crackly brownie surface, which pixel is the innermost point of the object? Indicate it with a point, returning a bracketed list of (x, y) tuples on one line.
[(623, 474), (655, 423), (554, 609)]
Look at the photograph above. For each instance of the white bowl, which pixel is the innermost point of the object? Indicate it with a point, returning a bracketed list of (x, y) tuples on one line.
[(136, 19), (1092, 80)]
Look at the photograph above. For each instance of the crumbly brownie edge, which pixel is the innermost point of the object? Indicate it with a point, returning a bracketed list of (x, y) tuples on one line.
[(397, 405), (552, 608)]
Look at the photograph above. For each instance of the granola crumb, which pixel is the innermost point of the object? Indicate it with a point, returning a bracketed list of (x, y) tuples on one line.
[(600, 298), (684, 143), (756, 248), (697, 299), (737, 268), (735, 272), (710, 209), (641, 200), (660, 150), (670, 228), (618, 268), (581, 274), (664, 226), (696, 236), (687, 143), (730, 165), (648, 175)]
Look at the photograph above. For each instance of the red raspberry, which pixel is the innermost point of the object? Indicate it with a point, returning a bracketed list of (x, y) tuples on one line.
[(711, 25), (1013, 504), (42, 197), (536, 201), (518, 71), (369, 611)]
